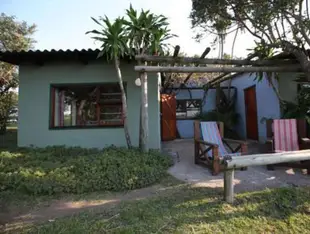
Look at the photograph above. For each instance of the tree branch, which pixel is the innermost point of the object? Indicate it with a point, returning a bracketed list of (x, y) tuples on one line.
[(307, 9), (247, 28), (293, 29), (271, 32), (283, 28), (277, 30), (301, 24), (253, 25)]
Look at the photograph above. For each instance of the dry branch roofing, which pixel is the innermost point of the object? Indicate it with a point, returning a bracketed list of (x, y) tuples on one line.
[(41, 56)]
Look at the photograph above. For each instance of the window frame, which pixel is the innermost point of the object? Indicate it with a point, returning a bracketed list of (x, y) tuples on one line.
[(51, 123), (186, 100)]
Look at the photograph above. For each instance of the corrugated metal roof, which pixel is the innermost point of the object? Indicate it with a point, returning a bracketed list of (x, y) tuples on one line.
[(42, 56), (52, 51)]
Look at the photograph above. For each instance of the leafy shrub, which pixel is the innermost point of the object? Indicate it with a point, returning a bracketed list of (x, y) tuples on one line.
[(75, 170)]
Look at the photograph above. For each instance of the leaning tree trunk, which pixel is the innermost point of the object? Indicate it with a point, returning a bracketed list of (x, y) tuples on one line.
[(232, 56), (124, 101), (301, 55)]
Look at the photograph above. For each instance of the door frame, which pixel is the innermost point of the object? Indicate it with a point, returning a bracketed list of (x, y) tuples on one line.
[(162, 125), (245, 113)]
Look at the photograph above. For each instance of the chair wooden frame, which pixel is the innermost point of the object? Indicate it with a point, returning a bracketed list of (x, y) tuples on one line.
[(303, 140), (202, 148)]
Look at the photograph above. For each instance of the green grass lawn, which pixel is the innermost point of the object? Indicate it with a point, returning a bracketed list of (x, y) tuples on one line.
[(32, 177), (185, 209)]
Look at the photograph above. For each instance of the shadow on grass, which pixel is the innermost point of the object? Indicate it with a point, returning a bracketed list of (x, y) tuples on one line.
[(190, 210)]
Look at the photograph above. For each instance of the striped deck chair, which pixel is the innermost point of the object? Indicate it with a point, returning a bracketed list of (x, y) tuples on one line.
[(287, 135), (210, 145)]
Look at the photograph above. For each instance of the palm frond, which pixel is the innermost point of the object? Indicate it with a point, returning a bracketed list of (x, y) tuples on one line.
[(96, 21), (113, 38), (95, 32)]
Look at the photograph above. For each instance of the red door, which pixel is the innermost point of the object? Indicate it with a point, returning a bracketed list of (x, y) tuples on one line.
[(168, 117), (251, 113)]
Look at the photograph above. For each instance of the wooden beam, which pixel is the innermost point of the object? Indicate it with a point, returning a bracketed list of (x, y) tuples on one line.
[(175, 54), (191, 60), (176, 51), (204, 54), (227, 73), (144, 113), (226, 78), (237, 162), (265, 159), (292, 68)]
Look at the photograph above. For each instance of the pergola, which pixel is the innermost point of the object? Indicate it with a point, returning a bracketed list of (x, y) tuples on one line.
[(152, 64)]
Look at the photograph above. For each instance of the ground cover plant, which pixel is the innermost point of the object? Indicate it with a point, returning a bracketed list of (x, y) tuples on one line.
[(55, 170)]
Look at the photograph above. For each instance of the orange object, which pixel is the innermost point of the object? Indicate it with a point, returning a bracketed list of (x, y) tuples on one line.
[(168, 117)]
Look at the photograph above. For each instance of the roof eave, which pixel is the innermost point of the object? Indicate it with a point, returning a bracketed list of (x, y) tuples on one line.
[(40, 57)]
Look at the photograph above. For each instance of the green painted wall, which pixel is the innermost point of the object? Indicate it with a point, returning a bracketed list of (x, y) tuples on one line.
[(34, 102), (288, 87)]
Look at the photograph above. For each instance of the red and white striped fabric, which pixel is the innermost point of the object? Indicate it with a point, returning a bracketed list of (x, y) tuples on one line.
[(285, 135)]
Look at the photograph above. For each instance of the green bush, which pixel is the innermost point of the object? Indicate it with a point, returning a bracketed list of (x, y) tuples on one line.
[(55, 170)]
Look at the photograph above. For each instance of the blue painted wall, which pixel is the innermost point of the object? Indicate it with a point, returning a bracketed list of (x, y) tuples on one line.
[(267, 103), (186, 127)]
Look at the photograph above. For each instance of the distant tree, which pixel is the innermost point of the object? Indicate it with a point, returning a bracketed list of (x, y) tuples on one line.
[(14, 35), (276, 25), (8, 106)]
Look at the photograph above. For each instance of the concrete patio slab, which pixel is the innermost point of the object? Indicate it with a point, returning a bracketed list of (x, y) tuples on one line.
[(255, 178)]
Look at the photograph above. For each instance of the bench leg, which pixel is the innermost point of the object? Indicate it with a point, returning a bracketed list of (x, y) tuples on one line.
[(215, 162)]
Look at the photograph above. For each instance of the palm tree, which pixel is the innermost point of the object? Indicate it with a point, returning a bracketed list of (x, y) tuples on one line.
[(114, 46), (147, 33)]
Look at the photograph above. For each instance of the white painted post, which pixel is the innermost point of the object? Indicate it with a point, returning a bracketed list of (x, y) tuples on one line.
[(229, 186), (144, 115)]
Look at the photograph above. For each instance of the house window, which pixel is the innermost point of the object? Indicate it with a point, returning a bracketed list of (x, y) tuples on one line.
[(86, 105), (188, 109)]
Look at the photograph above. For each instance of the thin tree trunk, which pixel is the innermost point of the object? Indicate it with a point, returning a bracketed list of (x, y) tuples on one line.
[(232, 56), (275, 90), (124, 101)]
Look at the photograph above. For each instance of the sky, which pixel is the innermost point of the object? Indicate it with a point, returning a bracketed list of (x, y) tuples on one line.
[(61, 24)]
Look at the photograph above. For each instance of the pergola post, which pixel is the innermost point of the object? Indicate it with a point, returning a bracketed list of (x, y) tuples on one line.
[(144, 113)]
